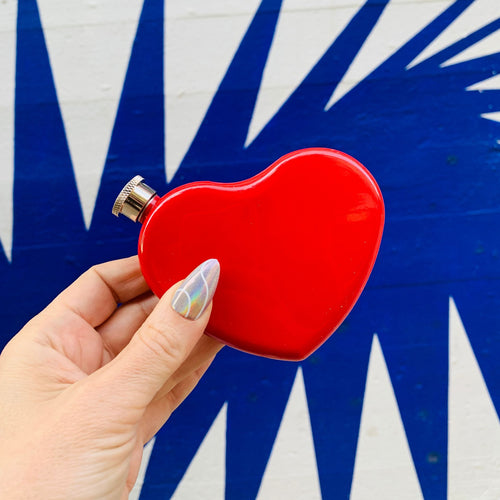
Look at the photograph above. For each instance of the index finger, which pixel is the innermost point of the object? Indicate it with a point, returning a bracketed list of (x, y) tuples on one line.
[(96, 293)]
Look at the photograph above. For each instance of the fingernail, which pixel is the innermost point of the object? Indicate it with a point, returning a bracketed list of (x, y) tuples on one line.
[(196, 291)]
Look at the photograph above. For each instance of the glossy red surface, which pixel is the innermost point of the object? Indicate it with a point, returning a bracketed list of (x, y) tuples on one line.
[(296, 245)]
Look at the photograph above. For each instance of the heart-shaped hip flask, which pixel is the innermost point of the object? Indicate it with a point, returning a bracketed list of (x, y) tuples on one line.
[(296, 245)]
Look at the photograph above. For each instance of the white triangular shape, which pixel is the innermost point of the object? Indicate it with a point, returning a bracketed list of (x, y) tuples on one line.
[(304, 32), (399, 23), (473, 424), (485, 47), (8, 20), (206, 475), (492, 83), (477, 15), (384, 467), (292, 472), (89, 46), (135, 493), (495, 116), (201, 38)]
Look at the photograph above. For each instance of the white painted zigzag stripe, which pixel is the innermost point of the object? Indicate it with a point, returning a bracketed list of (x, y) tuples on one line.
[(89, 46), (485, 47), (473, 424), (206, 475), (316, 24), (492, 83), (399, 23), (146, 455), (495, 116), (8, 19), (384, 466), (292, 472), (201, 39), (477, 15)]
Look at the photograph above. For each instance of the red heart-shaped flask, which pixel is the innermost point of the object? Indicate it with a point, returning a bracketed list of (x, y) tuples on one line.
[(296, 244)]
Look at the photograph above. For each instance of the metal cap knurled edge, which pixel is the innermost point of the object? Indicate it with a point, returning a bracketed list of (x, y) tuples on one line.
[(125, 193)]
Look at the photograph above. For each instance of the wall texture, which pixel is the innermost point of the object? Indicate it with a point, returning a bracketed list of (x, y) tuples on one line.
[(402, 402)]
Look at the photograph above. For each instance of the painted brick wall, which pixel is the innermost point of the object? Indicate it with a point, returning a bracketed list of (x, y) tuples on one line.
[(402, 402)]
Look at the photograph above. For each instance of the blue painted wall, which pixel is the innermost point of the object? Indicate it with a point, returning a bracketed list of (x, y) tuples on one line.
[(437, 161)]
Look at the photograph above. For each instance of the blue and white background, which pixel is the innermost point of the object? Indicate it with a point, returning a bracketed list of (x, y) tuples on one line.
[(403, 401)]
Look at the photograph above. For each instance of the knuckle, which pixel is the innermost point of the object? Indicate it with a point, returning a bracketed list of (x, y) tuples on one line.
[(93, 270), (146, 307), (171, 401), (162, 340)]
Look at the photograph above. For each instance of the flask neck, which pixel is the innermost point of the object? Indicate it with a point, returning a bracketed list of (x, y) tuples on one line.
[(134, 200)]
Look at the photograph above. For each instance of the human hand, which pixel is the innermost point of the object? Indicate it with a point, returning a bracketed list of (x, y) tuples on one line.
[(85, 384)]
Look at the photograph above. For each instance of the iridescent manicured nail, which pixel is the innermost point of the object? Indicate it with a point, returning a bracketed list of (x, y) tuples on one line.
[(197, 290)]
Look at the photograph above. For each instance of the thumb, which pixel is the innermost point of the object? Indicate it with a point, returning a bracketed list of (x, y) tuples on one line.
[(165, 339)]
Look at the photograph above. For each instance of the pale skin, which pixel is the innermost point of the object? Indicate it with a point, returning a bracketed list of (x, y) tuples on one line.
[(85, 384)]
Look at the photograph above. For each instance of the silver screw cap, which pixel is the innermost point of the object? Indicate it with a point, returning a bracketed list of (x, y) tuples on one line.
[(133, 199)]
